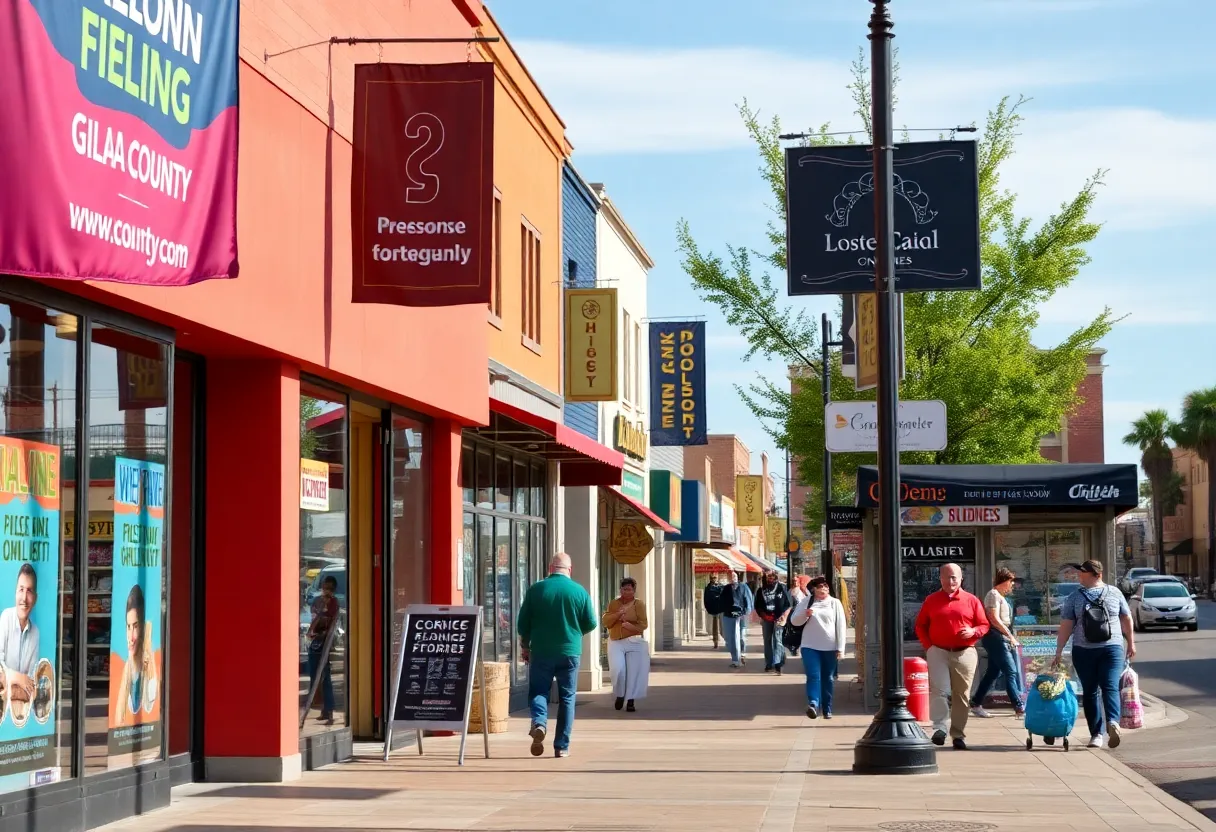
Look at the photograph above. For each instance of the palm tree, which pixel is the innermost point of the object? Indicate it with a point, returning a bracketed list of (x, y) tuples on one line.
[(1196, 431), (1150, 433)]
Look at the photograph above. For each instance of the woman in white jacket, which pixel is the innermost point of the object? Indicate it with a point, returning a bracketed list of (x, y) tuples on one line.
[(822, 645)]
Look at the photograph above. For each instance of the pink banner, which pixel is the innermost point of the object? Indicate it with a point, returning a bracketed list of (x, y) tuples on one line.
[(118, 150)]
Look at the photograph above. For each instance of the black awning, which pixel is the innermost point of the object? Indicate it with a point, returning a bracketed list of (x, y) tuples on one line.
[(1071, 486), (1185, 547)]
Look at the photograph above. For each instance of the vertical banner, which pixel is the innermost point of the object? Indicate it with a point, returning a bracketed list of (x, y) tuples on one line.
[(677, 384), (29, 600), (119, 148), (749, 498), (422, 184), (867, 341), (135, 639), (591, 345), (775, 532)]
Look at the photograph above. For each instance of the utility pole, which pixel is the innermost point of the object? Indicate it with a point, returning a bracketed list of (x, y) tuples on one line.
[(829, 563)]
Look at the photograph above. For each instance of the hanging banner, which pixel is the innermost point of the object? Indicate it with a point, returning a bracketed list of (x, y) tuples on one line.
[(749, 496), (830, 218), (677, 384), (29, 571), (119, 148), (775, 533), (136, 659), (591, 345), (422, 184)]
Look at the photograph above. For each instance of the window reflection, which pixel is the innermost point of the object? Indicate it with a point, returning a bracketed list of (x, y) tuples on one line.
[(411, 573)]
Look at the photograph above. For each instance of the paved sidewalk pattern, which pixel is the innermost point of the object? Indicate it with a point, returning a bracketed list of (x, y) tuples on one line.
[(709, 749)]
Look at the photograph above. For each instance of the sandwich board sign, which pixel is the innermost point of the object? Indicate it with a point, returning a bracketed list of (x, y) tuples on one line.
[(433, 683)]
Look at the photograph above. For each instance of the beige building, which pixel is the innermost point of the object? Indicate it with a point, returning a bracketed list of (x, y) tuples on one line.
[(1186, 532)]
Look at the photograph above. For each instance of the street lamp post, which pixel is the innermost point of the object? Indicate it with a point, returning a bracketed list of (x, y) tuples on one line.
[(828, 562), (894, 743)]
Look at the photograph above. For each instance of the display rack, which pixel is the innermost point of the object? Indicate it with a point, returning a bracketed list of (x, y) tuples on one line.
[(99, 601)]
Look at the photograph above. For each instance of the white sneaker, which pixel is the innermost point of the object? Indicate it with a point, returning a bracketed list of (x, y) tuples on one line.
[(1113, 736), (979, 711), (734, 664), (1095, 741)]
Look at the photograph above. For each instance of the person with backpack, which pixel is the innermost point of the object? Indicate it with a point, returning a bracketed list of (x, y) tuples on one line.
[(711, 598), (1097, 619)]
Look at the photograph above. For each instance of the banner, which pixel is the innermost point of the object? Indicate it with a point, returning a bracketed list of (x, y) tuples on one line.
[(119, 148), (1090, 485), (749, 496), (591, 345), (422, 184), (29, 599), (830, 218), (677, 384), (954, 516), (136, 658), (775, 533)]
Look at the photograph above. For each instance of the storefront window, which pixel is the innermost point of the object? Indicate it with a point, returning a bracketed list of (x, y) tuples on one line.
[(127, 555), (1045, 563), (410, 526), (323, 560), (922, 575), (37, 579)]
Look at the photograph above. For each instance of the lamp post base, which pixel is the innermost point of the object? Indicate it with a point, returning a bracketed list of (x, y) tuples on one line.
[(894, 744)]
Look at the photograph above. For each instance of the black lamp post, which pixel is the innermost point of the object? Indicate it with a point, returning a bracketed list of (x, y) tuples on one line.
[(894, 743)]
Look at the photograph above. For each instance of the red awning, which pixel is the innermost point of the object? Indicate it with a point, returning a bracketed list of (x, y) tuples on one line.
[(584, 461), (649, 516)]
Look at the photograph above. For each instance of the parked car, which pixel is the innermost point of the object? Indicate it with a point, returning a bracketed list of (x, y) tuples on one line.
[(1060, 593), (1133, 575), (1164, 603), (1157, 579)]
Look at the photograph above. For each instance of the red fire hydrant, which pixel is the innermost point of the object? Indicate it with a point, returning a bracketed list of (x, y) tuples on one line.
[(916, 680)]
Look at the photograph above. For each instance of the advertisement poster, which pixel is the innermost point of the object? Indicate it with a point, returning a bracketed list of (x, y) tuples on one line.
[(119, 148), (30, 502), (677, 384), (591, 345), (314, 485), (422, 183), (136, 658)]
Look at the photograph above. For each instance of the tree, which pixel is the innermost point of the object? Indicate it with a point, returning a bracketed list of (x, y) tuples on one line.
[(310, 409), (972, 350), (1196, 431), (1150, 433)]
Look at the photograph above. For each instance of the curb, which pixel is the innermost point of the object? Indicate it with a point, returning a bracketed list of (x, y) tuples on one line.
[(1183, 810), (1160, 714)]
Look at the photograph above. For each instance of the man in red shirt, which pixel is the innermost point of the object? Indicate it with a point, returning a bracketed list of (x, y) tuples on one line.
[(949, 624)]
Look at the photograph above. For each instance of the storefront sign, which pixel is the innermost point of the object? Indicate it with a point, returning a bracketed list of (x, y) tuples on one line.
[(846, 546), (728, 520), (775, 532), (867, 341), (314, 485), (694, 513), (1063, 485), (121, 140), (677, 384), (143, 382), (793, 544), (30, 502), (591, 345), (632, 485), (945, 549), (101, 527), (434, 677), (422, 199), (852, 427), (666, 496), (629, 541), (844, 517), (830, 218), (749, 492), (628, 438), (954, 516), (136, 658)]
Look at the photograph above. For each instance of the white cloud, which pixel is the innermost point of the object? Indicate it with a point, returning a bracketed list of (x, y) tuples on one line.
[(1142, 301)]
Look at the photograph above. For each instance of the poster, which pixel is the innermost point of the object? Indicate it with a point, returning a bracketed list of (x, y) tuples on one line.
[(30, 502), (435, 668), (119, 148), (591, 343), (136, 658), (677, 384), (314, 485)]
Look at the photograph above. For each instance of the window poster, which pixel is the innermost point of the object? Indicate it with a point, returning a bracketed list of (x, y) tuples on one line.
[(136, 659), (29, 629)]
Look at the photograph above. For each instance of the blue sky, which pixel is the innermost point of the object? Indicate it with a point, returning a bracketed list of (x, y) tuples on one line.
[(648, 92)]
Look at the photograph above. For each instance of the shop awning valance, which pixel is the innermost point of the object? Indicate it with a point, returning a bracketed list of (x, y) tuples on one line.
[(1072, 486), (645, 515), (583, 461), (732, 560), (712, 560), (762, 562)]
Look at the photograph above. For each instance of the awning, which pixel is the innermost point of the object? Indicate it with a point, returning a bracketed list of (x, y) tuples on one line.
[(763, 563), (1184, 547), (583, 461), (1067, 485), (651, 519), (712, 560)]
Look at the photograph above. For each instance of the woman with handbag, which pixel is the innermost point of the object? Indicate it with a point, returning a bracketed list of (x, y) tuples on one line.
[(823, 621), (628, 653)]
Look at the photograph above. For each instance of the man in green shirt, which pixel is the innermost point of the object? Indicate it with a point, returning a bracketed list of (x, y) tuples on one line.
[(554, 617)]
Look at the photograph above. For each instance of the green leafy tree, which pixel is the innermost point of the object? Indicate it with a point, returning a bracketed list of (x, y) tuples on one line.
[(1196, 431), (1150, 434), (309, 409), (972, 350)]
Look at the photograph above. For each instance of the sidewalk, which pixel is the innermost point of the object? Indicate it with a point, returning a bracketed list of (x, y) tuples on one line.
[(710, 749)]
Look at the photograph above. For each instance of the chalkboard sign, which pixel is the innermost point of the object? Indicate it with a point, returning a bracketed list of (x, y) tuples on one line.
[(433, 685)]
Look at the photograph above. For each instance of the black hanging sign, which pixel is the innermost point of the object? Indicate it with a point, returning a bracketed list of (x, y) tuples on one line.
[(941, 549), (844, 518), (830, 218)]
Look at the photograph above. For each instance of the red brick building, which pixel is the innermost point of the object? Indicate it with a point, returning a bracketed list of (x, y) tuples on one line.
[(1081, 436)]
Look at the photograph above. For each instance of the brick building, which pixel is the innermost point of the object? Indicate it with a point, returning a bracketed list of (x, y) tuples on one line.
[(1080, 438), (727, 458)]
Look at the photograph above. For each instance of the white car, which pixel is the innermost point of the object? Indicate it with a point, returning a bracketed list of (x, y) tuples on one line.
[(1164, 604), (1138, 573)]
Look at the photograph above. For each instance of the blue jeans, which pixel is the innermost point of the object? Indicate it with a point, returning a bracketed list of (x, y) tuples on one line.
[(774, 648), (733, 633), (541, 673), (1002, 661), (1099, 668), (820, 667), (315, 655)]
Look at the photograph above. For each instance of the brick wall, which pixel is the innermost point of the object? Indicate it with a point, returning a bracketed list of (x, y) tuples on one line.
[(1085, 426), (579, 207), (729, 457)]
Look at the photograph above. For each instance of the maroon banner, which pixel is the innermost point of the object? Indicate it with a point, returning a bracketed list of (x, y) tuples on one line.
[(422, 183)]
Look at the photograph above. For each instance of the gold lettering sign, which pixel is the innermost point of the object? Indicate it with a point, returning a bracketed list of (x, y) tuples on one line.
[(629, 439), (775, 531), (629, 541), (101, 527), (749, 492), (867, 341), (591, 328)]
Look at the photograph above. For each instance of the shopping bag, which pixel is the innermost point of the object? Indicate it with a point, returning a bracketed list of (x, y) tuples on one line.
[(1132, 710)]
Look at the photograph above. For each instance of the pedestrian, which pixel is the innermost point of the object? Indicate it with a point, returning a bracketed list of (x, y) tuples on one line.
[(773, 606), (555, 615), (1001, 645), (736, 606), (823, 632), (711, 598), (746, 619), (949, 624), (628, 653), (799, 590), (1097, 619)]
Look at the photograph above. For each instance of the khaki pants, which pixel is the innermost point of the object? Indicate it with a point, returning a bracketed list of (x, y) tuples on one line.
[(715, 628), (950, 675)]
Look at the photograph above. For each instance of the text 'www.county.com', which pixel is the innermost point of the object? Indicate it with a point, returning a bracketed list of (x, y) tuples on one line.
[(124, 235)]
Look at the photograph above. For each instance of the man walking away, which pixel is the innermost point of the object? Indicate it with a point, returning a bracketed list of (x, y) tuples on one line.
[(712, 600), (948, 626), (555, 615), (736, 605), (773, 606)]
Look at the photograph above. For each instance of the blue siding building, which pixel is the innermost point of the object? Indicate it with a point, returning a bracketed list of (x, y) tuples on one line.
[(579, 208)]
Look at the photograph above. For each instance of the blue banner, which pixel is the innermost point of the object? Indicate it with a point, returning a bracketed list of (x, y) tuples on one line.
[(677, 384)]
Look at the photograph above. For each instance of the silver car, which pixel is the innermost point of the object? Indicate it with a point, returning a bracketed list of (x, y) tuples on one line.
[(1134, 576), (1164, 604)]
